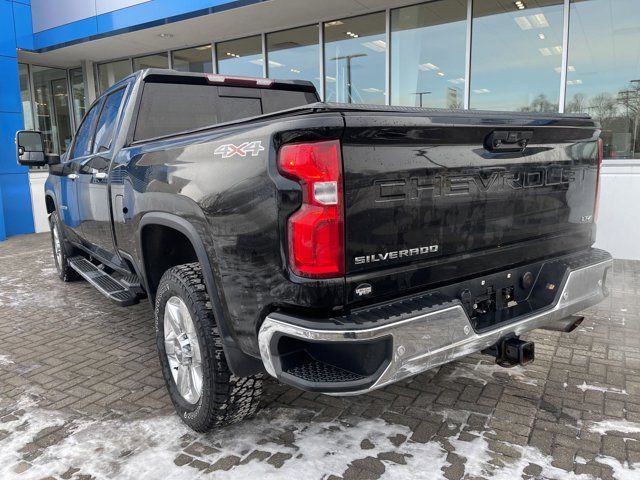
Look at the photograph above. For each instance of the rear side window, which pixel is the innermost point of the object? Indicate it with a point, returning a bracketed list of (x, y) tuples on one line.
[(168, 108), (106, 122)]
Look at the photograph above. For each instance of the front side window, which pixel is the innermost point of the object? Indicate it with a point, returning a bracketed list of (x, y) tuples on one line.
[(107, 121), (355, 59), (603, 72), (516, 55), (82, 145)]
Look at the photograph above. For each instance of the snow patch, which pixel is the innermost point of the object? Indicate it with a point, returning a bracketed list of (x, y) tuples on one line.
[(146, 448), (620, 426), (621, 471), (5, 360), (584, 387), (483, 371)]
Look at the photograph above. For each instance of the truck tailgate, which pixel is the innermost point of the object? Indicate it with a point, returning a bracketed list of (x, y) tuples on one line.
[(431, 197)]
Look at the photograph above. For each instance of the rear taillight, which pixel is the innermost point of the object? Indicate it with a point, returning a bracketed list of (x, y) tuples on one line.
[(316, 230), (596, 205)]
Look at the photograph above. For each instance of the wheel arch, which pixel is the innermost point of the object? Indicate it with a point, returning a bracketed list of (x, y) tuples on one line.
[(239, 362)]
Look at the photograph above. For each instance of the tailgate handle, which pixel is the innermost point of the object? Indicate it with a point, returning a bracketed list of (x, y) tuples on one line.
[(508, 140)]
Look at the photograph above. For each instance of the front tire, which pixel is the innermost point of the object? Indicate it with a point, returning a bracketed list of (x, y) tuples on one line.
[(203, 390), (61, 250)]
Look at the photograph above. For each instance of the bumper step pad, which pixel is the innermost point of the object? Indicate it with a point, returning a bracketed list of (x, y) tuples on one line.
[(320, 372), (103, 282)]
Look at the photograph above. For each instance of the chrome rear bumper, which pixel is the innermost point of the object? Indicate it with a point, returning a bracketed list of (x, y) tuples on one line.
[(437, 335)]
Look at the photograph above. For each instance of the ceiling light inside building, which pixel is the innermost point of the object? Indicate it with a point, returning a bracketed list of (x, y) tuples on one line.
[(545, 52), (353, 35), (456, 81), (165, 35), (480, 91), (440, 74), (541, 36), (428, 66), (376, 45), (557, 49), (520, 5), (539, 20), (372, 90), (335, 23), (523, 23)]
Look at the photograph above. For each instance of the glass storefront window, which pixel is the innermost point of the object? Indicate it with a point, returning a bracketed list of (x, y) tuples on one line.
[(516, 55), (196, 59), (25, 96), (294, 54), (428, 48), (52, 107), (603, 72), (241, 57), (112, 72), (157, 60), (78, 97), (355, 59)]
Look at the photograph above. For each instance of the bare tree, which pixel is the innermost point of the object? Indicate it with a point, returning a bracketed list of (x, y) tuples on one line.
[(540, 104), (603, 107), (578, 104)]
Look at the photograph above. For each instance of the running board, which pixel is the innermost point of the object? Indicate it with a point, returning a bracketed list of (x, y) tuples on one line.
[(103, 282)]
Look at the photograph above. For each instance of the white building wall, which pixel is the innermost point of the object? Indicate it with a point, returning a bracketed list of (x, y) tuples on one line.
[(619, 217), (40, 217)]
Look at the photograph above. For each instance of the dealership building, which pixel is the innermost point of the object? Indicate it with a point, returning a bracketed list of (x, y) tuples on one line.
[(572, 56)]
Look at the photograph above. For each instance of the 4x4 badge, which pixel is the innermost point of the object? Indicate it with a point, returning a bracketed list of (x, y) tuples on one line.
[(230, 150)]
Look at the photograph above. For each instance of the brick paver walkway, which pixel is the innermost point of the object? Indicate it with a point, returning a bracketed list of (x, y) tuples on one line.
[(81, 396)]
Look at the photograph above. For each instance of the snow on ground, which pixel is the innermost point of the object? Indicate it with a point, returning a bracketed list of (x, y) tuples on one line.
[(483, 371), (146, 448), (620, 426), (585, 386), (5, 360)]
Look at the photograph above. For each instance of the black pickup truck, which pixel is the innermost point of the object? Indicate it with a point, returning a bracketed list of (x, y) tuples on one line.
[(339, 248)]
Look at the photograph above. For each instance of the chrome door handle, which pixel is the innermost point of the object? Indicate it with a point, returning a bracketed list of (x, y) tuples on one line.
[(100, 175), (73, 176)]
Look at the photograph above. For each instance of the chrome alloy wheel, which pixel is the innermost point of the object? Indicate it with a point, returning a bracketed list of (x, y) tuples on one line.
[(57, 246), (182, 349)]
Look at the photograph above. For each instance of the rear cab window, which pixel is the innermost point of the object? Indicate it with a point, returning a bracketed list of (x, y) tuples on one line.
[(168, 108)]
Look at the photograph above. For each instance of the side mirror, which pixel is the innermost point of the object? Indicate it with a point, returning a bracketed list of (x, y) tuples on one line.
[(30, 148)]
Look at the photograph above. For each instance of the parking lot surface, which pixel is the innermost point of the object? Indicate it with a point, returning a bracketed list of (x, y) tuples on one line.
[(81, 396)]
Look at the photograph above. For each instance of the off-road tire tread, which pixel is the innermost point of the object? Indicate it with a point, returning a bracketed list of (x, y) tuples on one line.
[(65, 272), (231, 398)]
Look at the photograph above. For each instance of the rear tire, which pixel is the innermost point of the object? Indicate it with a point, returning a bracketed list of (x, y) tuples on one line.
[(204, 392), (62, 251)]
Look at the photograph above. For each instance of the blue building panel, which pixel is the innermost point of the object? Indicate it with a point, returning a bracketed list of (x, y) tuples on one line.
[(7, 30), (9, 124), (144, 15), (16, 203), (10, 92), (66, 34), (23, 27), (3, 233)]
